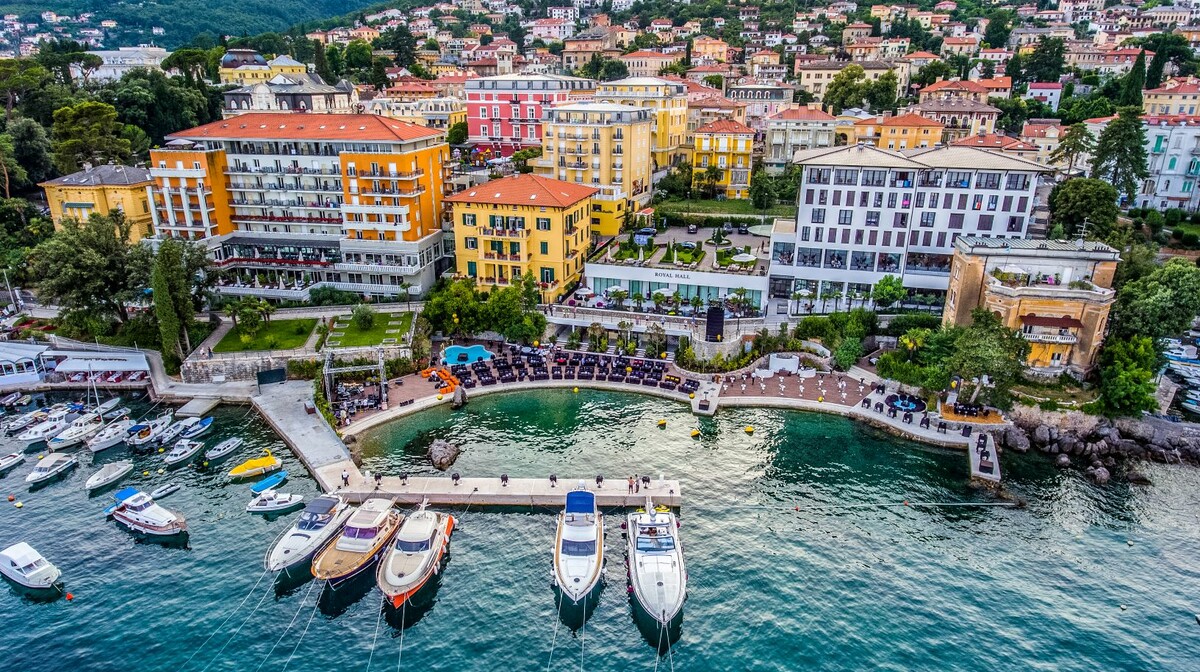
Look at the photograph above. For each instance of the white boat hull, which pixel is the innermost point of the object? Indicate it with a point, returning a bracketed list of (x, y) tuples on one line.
[(298, 546)]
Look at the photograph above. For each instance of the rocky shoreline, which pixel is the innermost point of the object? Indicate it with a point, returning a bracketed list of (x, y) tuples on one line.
[(1101, 444)]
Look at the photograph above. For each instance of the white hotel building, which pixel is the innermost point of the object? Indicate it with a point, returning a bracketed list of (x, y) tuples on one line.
[(866, 212)]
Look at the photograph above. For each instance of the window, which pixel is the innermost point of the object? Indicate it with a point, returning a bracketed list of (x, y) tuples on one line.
[(544, 247), (993, 202), (805, 233), (892, 200), (900, 220), (822, 197), (988, 181), (921, 199), (977, 202), (874, 178), (956, 220), (1015, 224), (543, 224), (483, 112), (928, 218), (818, 216), (471, 243), (863, 199), (985, 223), (845, 217), (879, 199), (872, 218), (818, 175), (845, 176), (468, 220), (1017, 181), (958, 179)]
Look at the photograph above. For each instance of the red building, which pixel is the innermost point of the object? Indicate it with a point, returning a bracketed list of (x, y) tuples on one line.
[(504, 113)]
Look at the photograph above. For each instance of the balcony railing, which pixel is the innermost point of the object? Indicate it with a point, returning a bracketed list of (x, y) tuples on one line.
[(269, 261), (287, 219), (1050, 338), (505, 233)]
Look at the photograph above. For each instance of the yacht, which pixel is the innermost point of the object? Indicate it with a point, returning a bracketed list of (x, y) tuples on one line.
[(183, 451), (81, 429), (362, 541), (579, 546), (109, 474), (50, 467), (56, 421), (657, 574), (25, 420), (416, 556), (137, 511), (112, 434), (24, 566), (319, 521), (146, 433)]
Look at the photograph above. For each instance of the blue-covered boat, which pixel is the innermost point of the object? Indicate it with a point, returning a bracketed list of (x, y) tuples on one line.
[(274, 480), (198, 429)]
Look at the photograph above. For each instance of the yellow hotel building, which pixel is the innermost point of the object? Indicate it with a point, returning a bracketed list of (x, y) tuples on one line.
[(1057, 293), (600, 145), (727, 145), (101, 190), (522, 224), (350, 201), (668, 105)]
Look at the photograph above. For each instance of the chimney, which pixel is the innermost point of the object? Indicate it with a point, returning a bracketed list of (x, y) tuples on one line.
[(87, 166)]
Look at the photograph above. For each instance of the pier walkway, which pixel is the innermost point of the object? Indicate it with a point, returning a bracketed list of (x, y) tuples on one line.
[(442, 491), (285, 407)]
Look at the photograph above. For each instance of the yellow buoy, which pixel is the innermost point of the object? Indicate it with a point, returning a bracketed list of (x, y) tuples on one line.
[(695, 433), (145, 473), (662, 423), (749, 429), (575, 390), (691, 395), (161, 449), (41, 456), (439, 397), (19, 505), (821, 399)]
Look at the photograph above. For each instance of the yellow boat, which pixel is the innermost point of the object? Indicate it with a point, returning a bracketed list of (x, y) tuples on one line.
[(256, 467)]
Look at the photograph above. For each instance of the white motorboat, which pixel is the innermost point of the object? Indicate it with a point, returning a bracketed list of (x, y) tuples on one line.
[(183, 451), (24, 566), (579, 546), (9, 461), (197, 429), (415, 556), (656, 571), (51, 466), (146, 433), (112, 434), (42, 432), (23, 421), (270, 501), (318, 523), (116, 413), (109, 474), (81, 429), (224, 448), (176, 430), (137, 511)]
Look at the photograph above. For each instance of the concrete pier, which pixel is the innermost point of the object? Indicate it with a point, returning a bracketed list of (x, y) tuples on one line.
[(197, 408), (283, 406), (441, 491), (985, 470)]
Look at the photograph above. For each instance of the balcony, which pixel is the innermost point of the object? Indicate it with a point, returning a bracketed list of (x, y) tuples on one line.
[(270, 262), (505, 233), (1037, 337), (285, 219), (400, 269), (393, 176)]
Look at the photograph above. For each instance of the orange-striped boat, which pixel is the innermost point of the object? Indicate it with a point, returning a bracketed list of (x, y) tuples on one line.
[(416, 554)]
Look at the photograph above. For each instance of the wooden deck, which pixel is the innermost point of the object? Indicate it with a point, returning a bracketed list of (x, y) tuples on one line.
[(441, 491)]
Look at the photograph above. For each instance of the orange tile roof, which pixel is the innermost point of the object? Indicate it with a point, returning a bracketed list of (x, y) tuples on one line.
[(1030, 130), (920, 54), (910, 119), (531, 190), (715, 101), (803, 114), (997, 82), (955, 85), (308, 126), (725, 126), (646, 53)]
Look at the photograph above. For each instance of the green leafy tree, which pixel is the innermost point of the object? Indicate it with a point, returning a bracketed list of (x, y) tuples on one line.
[(1120, 157), (1133, 83), (521, 158), (156, 104), (17, 77), (761, 194), (358, 55), (335, 57), (457, 135), (1047, 61), (379, 78), (888, 290), (1075, 201), (1013, 113), (363, 317), (31, 149), (1127, 373), (1077, 142), (998, 29), (91, 267), (931, 72), (714, 82), (22, 228), (1159, 304), (12, 175), (87, 132), (1015, 68), (172, 300), (401, 42), (847, 89), (988, 348), (881, 93), (321, 64)]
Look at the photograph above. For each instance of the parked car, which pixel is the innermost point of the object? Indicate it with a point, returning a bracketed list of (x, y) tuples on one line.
[(742, 228), (727, 227), (646, 231), (688, 245), (692, 228)]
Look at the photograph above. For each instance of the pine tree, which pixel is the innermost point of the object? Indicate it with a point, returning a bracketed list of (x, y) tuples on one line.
[(1154, 76), (164, 310), (321, 65), (1131, 85), (1120, 157), (1076, 142), (1013, 69)]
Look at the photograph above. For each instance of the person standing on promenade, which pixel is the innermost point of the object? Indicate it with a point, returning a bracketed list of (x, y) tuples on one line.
[(631, 485)]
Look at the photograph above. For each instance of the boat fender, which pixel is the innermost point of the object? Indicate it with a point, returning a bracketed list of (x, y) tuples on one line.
[(691, 395), (629, 589), (662, 423), (695, 433), (575, 390), (623, 525), (160, 471), (161, 449), (749, 429), (40, 456)]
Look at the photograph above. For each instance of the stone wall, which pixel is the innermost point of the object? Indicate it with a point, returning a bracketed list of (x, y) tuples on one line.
[(245, 366)]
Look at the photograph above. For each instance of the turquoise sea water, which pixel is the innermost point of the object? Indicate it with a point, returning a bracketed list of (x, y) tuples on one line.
[(771, 587)]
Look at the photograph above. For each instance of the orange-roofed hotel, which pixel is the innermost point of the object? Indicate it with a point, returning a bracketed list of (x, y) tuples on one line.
[(287, 203)]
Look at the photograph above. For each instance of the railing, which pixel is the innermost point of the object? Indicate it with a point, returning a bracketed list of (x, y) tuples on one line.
[(505, 233), (1050, 338), (394, 176), (303, 220), (271, 261), (378, 268)]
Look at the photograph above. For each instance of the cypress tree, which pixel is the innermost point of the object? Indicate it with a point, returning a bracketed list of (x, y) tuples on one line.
[(1154, 76), (1131, 86), (320, 64)]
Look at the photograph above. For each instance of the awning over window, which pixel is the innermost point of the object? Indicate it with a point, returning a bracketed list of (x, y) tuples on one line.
[(1063, 322)]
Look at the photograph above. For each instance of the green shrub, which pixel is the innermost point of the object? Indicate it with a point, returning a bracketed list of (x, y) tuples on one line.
[(363, 317), (1049, 405), (848, 353), (299, 329), (1190, 239), (900, 324)]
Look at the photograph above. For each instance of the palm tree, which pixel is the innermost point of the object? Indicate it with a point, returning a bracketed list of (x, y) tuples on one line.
[(264, 308), (618, 296), (659, 299), (797, 297), (597, 335), (233, 309), (638, 300), (676, 299), (913, 340), (697, 303)]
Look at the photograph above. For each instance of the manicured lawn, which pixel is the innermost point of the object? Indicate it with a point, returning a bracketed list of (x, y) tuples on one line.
[(351, 336), (724, 207), (278, 335)]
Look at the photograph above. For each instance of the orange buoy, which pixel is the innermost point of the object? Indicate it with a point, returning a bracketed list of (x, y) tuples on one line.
[(906, 502), (70, 596), (11, 498)]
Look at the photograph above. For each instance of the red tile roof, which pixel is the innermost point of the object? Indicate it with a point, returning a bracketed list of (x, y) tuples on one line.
[(910, 119), (530, 190), (725, 126), (955, 85), (308, 126), (994, 141), (803, 114)]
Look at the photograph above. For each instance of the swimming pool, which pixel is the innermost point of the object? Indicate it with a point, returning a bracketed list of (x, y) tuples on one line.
[(457, 354)]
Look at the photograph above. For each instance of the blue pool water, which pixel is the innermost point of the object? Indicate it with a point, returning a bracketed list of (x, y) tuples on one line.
[(457, 354)]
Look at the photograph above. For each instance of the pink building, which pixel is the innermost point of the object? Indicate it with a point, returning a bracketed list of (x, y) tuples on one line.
[(504, 113)]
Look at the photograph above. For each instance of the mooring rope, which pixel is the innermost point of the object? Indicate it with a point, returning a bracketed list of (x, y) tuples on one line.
[(289, 626), (583, 634), (554, 637), (376, 637), (306, 625), (239, 628), (227, 618), (658, 647), (403, 615)]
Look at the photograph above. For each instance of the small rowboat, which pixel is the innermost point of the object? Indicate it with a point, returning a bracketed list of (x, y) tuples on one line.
[(10, 399), (165, 490), (183, 451), (256, 467), (9, 461), (198, 428), (269, 482), (116, 413)]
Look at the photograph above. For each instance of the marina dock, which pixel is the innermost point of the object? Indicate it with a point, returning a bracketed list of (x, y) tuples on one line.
[(284, 407), (441, 491), (197, 407), (985, 469)]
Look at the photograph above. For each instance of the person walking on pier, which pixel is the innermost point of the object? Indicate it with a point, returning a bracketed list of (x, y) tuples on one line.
[(345, 478), (631, 485)]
